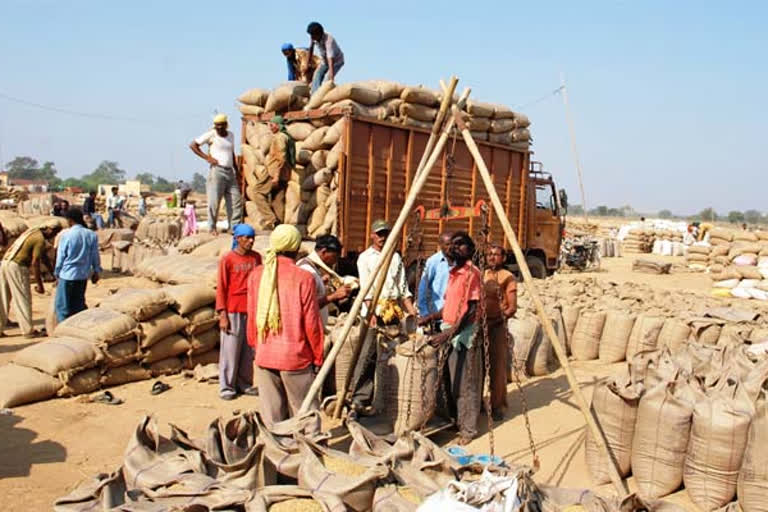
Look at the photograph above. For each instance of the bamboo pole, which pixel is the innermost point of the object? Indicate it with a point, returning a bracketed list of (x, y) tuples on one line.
[(341, 394), (543, 317), (410, 201), (574, 150)]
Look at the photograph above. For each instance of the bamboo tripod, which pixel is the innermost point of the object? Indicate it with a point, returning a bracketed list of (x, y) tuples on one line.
[(420, 179)]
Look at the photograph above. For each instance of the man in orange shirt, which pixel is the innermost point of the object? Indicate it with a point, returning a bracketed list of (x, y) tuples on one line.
[(235, 355), (459, 326), (500, 303), (284, 327)]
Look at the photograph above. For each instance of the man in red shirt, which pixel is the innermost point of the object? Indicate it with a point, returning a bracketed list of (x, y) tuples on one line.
[(284, 327), (235, 355), (459, 326)]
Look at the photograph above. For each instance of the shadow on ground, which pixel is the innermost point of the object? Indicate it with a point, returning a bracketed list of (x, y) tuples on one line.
[(21, 451)]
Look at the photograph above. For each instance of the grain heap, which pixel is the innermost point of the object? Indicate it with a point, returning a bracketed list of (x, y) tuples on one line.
[(132, 335), (738, 264), (311, 197)]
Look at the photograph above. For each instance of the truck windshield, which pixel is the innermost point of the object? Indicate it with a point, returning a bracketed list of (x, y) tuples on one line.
[(545, 198)]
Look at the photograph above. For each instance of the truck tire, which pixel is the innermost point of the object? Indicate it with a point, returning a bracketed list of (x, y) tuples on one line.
[(537, 267)]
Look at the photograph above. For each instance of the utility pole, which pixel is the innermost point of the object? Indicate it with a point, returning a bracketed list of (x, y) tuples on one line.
[(572, 133)]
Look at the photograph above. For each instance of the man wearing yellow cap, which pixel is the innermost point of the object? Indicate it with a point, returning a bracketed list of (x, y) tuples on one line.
[(222, 177), (284, 328)]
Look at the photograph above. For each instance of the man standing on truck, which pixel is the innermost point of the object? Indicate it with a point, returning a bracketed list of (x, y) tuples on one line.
[(269, 197), (26, 254), (222, 176), (329, 51), (300, 67), (435, 278), (500, 304)]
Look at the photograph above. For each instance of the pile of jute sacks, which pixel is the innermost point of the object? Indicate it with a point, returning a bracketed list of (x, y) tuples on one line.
[(666, 242), (311, 197)]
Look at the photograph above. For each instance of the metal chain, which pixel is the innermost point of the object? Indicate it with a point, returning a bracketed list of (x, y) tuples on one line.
[(483, 310)]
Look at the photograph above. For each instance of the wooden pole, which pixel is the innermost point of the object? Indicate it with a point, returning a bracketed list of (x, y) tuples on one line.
[(572, 133), (389, 245), (341, 394), (543, 317)]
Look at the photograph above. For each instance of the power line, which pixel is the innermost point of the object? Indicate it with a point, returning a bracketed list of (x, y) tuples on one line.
[(92, 115), (539, 100)]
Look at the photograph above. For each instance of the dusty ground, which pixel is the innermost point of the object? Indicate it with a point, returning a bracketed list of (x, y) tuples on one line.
[(48, 447)]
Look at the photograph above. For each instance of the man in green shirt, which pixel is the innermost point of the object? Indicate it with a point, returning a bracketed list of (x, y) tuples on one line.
[(26, 253)]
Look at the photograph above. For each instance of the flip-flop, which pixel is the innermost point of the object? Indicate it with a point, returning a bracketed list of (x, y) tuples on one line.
[(107, 398), (159, 387)]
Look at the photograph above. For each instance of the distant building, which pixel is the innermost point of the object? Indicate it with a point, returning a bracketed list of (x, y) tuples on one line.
[(131, 188), (3, 179), (28, 185)]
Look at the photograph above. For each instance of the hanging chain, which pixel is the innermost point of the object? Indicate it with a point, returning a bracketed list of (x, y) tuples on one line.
[(483, 310)]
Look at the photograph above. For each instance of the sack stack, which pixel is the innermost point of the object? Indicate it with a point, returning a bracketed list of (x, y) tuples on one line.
[(154, 236), (739, 264), (133, 335), (311, 197), (13, 226), (637, 241)]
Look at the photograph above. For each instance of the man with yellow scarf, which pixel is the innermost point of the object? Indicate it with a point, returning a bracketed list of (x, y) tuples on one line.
[(284, 328)]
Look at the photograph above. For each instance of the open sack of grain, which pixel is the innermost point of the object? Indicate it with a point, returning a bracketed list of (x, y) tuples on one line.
[(132, 335)]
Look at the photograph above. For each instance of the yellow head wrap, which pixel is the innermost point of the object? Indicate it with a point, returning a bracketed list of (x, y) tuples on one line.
[(285, 238), (220, 118)]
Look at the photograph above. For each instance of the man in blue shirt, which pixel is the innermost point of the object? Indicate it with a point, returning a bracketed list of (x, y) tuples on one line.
[(77, 258), (434, 280)]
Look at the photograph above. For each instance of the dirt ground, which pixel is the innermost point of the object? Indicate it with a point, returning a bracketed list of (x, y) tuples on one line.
[(48, 447)]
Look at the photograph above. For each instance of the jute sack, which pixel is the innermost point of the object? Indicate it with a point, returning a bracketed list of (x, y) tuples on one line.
[(315, 139), (718, 438), (586, 336), (167, 366), (22, 385), (745, 236), (477, 124), (204, 341), (250, 110), (131, 372), (724, 234), (291, 498), (59, 355), (355, 92), (332, 160), (98, 325), (525, 330), (201, 320), (705, 330), (173, 345), (645, 335), (299, 130), (418, 112), (396, 498), (281, 448), (502, 112), (318, 158), (615, 336), (189, 297), (140, 304), (570, 318), (334, 133), (661, 438), (420, 95), (696, 249), (318, 97), (478, 108), (159, 327), (212, 249), (285, 96), (86, 381), (673, 335), (190, 243), (256, 97), (343, 361), (615, 403), (752, 484), (333, 472), (121, 353), (748, 272), (541, 355), (652, 367)]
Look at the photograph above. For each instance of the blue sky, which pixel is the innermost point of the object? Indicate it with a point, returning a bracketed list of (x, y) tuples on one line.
[(668, 98)]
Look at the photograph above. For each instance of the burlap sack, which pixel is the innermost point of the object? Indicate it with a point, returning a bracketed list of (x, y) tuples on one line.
[(396, 498), (299, 131), (718, 439), (171, 346), (98, 325), (615, 336), (418, 112), (525, 330), (752, 484), (187, 298), (615, 404), (318, 97), (355, 92), (541, 355), (334, 155), (420, 95), (210, 357), (705, 330), (287, 96), (477, 124), (478, 108), (315, 139), (344, 358), (159, 327), (167, 366), (724, 234), (586, 337), (281, 449), (673, 335), (745, 236), (256, 97), (570, 318), (140, 304), (652, 367), (131, 372), (22, 385), (204, 341), (334, 472), (59, 355), (86, 381), (250, 109), (645, 335), (121, 353), (289, 498), (661, 438), (190, 243), (201, 320), (334, 133)]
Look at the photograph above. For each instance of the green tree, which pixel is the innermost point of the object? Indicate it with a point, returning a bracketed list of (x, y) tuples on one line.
[(665, 214), (735, 216), (107, 172), (753, 217), (163, 185), (75, 182), (601, 211), (27, 168), (198, 185), (707, 214), (146, 178)]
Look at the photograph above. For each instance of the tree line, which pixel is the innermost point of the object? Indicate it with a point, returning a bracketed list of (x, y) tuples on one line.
[(708, 214), (107, 172)]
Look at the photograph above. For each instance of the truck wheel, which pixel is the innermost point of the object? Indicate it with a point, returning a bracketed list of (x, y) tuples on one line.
[(537, 267)]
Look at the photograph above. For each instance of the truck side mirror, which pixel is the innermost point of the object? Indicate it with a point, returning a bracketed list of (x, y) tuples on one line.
[(564, 200)]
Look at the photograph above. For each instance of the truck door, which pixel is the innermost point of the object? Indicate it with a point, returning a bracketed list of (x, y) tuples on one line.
[(547, 229)]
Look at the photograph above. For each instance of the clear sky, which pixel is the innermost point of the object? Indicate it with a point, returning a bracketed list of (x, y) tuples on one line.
[(668, 98)]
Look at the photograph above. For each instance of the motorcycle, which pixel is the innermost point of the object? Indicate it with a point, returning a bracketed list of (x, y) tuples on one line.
[(581, 254)]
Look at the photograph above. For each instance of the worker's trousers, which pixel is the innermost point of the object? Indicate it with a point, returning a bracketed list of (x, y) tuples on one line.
[(70, 298), (235, 357), (222, 183), (282, 392), (15, 288)]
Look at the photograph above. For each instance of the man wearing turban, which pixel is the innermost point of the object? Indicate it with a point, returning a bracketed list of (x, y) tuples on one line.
[(284, 327)]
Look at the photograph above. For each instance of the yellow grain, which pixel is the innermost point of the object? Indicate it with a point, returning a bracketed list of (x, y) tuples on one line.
[(342, 466), (296, 505)]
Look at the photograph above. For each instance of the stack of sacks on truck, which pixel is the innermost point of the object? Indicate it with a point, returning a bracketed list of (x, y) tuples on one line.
[(739, 265), (132, 335), (695, 416), (153, 237), (311, 197)]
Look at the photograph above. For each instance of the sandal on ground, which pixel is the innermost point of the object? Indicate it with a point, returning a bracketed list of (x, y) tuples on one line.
[(251, 391), (159, 387), (107, 398), (34, 334)]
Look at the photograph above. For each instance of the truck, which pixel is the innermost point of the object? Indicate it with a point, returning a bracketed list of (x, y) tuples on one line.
[(377, 167)]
